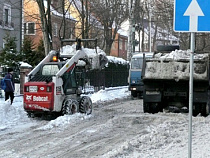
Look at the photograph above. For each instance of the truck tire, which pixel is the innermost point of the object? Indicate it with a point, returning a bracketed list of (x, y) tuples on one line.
[(154, 108), (133, 93), (85, 105), (70, 107), (204, 110), (146, 108), (196, 109)]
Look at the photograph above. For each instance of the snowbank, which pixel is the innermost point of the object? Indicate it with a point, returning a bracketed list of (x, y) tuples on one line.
[(13, 116)]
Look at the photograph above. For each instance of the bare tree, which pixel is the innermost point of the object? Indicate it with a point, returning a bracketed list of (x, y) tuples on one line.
[(46, 24), (111, 14)]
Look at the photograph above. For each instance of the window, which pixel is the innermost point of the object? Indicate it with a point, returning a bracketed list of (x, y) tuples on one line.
[(7, 15), (4, 42), (70, 33), (29, 28), (24, 28), (136, 63), (126, 45), (50, 69), (55, 29), (120, 44)]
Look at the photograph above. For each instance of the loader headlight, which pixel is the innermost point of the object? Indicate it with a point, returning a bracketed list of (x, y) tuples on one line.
[(55, 58)]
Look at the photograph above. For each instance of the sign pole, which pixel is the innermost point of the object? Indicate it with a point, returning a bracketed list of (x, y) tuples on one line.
[(192, 48)]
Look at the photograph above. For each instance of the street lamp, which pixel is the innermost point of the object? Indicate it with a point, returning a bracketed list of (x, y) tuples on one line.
[(138, 27)]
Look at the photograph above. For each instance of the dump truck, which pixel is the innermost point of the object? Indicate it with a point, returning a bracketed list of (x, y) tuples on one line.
[(56, 84), (166, 82)]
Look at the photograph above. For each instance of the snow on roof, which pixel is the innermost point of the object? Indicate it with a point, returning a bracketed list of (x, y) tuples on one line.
[(23, 64)]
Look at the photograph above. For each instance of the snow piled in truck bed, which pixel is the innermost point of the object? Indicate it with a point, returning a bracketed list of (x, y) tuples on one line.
[(180, 54), (176, 65)]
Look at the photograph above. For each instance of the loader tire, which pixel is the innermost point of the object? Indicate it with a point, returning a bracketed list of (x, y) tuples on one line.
[(85, 105), (70, 107)]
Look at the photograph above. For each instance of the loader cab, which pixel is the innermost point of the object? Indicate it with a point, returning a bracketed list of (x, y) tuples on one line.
[(69, 78)]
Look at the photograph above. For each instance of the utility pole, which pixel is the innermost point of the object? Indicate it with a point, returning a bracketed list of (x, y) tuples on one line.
[(131, 36), (150, 26)]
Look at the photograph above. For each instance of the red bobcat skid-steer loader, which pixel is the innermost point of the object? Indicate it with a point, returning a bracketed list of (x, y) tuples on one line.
[(54, 85)]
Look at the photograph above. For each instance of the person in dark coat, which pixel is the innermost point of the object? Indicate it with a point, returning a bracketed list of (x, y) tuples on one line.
[(10, 86)]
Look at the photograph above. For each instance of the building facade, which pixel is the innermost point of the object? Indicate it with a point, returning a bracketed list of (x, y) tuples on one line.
[(11, 21), (119, 46), (33, 27)]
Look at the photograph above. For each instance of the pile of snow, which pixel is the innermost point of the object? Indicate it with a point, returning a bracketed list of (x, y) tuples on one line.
[(71, 50), (92, 54), (96, 56), (106, 95), (180, 54), (12, 116), (171, 66), (117, 60)]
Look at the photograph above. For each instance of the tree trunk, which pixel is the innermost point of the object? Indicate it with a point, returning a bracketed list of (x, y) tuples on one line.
[(46, 27)]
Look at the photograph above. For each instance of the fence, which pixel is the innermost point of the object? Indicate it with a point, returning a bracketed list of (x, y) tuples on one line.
[(112, 76)]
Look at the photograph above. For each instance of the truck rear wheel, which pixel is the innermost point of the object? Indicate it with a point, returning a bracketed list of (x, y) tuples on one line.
[(146, 108), (154, 108), (85, 105), (133, 93), (70, 107), (196, 109)]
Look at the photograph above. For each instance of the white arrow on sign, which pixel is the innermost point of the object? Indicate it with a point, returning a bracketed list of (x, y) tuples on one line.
[(193, 11)]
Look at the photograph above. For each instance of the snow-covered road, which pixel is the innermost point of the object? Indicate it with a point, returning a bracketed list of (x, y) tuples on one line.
[(115, 129)]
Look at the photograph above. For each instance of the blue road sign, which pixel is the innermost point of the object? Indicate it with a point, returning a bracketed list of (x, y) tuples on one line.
[(192, 15)]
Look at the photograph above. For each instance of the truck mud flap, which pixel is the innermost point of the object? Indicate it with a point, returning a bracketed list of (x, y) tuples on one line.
[(152, 98), (200, 97)]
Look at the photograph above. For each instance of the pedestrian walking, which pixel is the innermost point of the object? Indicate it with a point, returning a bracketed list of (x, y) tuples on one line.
[(10, 86)]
